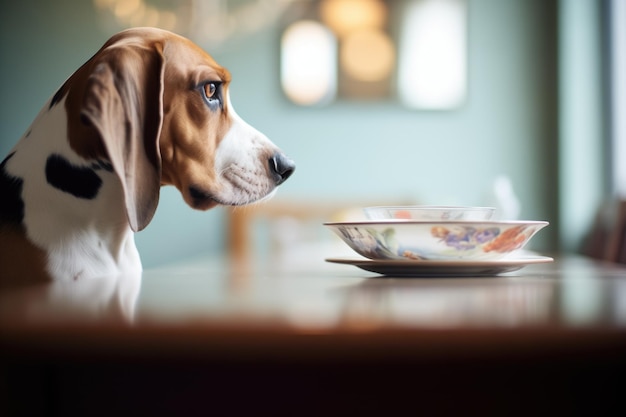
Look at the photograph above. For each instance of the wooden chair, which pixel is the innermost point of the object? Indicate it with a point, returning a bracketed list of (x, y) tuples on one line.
[(616, 248), (607, 238)]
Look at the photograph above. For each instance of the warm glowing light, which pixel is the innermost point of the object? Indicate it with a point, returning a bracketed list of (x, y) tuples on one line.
[(345, 16), (104, 4), (368, 55), (124, 9), (151, 17), (433, 62), (308, 63)]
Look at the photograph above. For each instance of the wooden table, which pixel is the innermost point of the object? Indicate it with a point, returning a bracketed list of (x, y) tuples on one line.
[(209, 337)]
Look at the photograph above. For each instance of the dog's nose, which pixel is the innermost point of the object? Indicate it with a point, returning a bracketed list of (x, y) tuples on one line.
[(281, 167)]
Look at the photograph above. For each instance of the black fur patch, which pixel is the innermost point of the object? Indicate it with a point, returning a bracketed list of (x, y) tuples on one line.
[(12, 206), (57, 97), (81, 182)]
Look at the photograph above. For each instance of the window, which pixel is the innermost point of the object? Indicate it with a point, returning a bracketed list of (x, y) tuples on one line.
[(308, 63), (617, 14), (432, 71)]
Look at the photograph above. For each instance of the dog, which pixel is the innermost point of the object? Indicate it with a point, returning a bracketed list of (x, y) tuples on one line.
[(149, 109)]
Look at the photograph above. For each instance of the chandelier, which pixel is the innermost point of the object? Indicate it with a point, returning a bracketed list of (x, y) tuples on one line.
[(210, 22)]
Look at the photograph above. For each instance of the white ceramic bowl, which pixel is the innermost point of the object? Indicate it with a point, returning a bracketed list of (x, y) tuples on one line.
[(444, 240), (429, 213)]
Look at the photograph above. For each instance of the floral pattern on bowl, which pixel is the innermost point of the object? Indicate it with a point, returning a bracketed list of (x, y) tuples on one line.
[(436, 240)]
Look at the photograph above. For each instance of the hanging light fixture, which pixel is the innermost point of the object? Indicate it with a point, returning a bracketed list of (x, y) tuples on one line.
[(210, 22)]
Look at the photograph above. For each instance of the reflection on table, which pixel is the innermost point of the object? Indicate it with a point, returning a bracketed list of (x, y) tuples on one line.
[(317, 339)]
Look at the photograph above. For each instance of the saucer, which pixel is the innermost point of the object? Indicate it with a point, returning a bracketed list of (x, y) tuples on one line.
[(436, 269)]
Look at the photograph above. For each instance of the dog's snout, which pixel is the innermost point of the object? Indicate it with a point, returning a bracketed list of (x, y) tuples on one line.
[(281, 167)]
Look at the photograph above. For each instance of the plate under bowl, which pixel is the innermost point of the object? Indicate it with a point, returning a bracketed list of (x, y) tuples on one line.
[(442, 269)]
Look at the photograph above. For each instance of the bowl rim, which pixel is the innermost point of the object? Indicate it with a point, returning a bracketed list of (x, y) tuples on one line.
[(387, 222), (431, 207)]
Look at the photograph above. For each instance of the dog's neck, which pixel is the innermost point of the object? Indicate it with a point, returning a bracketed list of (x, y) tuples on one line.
[(73, 208)]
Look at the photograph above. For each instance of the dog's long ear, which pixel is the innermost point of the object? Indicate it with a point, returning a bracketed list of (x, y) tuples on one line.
[(123, 100)]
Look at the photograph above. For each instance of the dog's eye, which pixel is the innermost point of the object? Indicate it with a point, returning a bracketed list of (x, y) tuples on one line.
[(209, 90), (212, 94)]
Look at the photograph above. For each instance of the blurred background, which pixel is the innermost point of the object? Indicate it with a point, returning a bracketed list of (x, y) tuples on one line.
[(443, 102)]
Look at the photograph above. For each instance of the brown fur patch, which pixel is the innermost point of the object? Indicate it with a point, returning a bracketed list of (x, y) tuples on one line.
[(83, 138)]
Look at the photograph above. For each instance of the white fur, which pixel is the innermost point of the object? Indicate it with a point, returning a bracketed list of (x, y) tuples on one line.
[(243, 175)]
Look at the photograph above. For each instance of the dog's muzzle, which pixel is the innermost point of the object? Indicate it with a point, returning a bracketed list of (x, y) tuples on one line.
[(281, 167)]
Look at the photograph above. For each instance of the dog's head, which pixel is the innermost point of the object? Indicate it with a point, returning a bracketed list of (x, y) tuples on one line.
[(157, 107)]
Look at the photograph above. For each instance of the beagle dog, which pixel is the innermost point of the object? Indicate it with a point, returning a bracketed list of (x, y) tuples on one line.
[(150, 108)]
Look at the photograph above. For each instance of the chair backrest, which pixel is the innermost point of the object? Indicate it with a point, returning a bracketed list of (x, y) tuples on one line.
[(616, 248), (607, 237)]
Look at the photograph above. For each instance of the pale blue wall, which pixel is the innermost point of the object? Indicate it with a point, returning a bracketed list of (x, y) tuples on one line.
[(361, 150)]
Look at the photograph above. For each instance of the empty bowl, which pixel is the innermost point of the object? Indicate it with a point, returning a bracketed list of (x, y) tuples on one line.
[(442, 240), (429, 213)]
